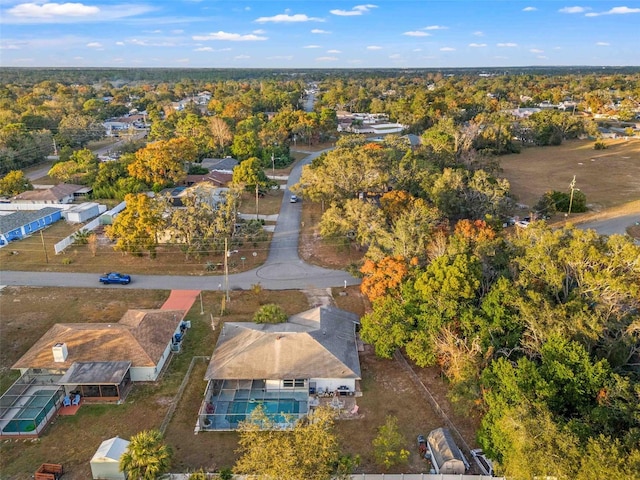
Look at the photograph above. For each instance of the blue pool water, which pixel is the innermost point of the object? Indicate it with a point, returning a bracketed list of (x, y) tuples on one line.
[(276, 410), (32, 413)]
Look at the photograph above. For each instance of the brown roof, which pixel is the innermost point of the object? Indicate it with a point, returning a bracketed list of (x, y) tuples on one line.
[(318, 343), (140, 337), (217, 178), (55, 193)]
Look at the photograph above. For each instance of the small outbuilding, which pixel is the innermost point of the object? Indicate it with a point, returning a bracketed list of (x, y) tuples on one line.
[(446, 457), (105, 464)]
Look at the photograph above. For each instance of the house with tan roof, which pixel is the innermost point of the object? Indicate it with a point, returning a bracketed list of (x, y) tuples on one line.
[(61, 193), (83, 355), (282, 367)]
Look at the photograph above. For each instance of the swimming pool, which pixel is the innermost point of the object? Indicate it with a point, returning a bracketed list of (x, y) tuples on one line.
[(32, 413), (276, 410)]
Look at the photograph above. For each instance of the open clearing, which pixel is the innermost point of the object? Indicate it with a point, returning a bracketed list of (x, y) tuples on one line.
[(608, 178), (27, 313)]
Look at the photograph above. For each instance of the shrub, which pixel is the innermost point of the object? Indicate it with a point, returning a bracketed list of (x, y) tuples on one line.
[(67, 261), (599, 145), (270, 313), (387, 446)]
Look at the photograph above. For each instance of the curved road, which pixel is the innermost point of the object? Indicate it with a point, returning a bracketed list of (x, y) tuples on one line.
[(283, 270)]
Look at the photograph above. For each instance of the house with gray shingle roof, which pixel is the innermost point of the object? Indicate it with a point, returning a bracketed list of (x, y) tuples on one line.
[(280, 366), (20, 224)]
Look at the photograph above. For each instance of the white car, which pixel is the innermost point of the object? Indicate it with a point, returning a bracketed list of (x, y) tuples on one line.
[(293, 199), (522, 224), (484, 464)]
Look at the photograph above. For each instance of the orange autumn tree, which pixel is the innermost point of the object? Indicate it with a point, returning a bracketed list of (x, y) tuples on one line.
[(382, 276)]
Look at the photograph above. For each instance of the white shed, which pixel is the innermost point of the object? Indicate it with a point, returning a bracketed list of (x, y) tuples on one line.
[(446, 457), (105, 464)]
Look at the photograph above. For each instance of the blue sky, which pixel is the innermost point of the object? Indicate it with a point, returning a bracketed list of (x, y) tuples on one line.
[(318, 34)]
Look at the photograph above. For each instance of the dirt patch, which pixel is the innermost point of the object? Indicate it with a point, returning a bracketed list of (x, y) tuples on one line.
[(607, 177)]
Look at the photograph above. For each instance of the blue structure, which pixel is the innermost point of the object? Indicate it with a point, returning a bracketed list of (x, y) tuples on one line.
[(18, 225)]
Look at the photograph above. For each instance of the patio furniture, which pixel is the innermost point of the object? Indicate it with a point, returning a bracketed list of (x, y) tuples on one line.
[(67, 401), (76, 400)]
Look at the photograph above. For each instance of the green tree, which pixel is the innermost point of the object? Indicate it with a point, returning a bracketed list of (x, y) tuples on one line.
[(250, 175), (388, 446), (270, 313), (147, 457), (77, 130), (14, 182), (309, 451), (136, 228), (163, 163), (81, 168)]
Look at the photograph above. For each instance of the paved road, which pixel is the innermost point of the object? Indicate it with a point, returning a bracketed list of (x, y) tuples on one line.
[(613, 225), (283, 270)]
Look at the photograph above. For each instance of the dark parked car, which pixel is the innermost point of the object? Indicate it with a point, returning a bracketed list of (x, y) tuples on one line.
[(114, 277)]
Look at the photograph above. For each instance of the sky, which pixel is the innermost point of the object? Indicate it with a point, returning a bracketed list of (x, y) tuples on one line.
[(318, 34)]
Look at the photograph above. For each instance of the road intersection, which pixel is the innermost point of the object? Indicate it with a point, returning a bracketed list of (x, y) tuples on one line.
[(283, 269)]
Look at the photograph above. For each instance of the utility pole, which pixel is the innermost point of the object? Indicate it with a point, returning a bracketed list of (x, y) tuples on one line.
[(226, 269), (273, 164), (257, 200), (46, 257), (55, 147), (572, 186)]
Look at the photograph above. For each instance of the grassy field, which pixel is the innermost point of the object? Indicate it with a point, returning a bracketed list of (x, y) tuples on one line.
[(26, 316), (607, 177)]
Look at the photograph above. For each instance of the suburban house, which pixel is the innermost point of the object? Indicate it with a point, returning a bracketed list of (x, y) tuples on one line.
[(20, 224), (226, 164), (446, 457), (283, 367), (61, 193), (95, 362)]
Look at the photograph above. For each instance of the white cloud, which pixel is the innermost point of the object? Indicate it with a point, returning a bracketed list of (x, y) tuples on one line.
[(241, 57), (326, 59), (536, 50), (508, 44), (146, 43), (603, 44), (203, 49), (50, 10), (357, 10), (529, 9), (259, 31), (312, 46), (231, 37), (477, 45), (417, 50), (417, 33), (374, 47), (447, 49), (69, 12), (479, 33), (615, 11), (94, 45), (573, 9), (9, 46), (319, 31), (120, 44), (435, 27), (395, 56), (286, 18), (334, 51)]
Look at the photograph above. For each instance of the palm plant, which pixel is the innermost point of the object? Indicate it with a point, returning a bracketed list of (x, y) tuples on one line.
[(147, 458)]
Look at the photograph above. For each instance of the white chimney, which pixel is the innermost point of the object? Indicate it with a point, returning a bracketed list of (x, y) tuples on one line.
[(60, 352)]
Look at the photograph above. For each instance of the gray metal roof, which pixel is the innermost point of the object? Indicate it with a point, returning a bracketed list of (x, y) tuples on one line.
[(224, 164), (318, 343), (95, 373), (444, 448), (23, 217)]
